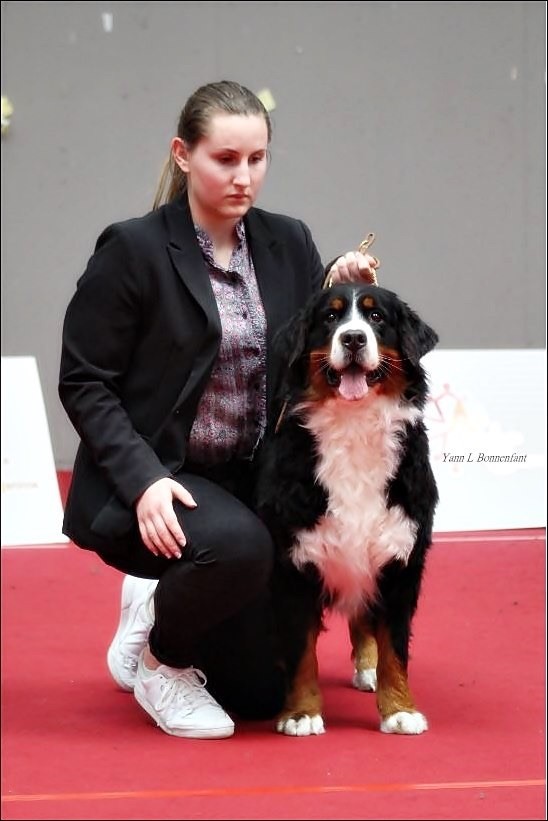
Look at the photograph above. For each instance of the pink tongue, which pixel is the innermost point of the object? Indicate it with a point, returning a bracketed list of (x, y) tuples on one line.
[(353, 386)]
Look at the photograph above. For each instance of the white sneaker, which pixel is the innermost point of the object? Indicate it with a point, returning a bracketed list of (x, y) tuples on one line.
[(136, 620), (179, 703)]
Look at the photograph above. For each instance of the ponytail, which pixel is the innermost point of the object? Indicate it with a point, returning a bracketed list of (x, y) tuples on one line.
[(171, 184)]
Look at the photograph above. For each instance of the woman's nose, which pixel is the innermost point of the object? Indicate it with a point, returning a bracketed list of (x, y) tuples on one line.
[(242, 176)]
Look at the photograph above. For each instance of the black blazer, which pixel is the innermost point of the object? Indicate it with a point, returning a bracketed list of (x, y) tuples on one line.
[(140, 337)]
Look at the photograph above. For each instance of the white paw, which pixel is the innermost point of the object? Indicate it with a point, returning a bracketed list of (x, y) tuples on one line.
[(306, 725), (405, 724), (365, 680)]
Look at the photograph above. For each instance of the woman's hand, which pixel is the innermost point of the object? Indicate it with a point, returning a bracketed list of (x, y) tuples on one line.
[(158, 524), (353, 267)]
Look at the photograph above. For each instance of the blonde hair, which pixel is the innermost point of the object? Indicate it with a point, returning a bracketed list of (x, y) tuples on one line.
[(224, 97)]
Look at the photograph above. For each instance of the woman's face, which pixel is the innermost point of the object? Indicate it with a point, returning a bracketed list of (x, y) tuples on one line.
[(225, 169)]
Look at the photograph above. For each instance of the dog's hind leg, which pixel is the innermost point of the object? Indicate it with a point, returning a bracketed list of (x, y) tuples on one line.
[(302, 712), (394, 700), (364, 652)]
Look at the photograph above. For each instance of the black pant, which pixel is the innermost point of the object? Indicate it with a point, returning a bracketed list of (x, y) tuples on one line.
[(212, 606)]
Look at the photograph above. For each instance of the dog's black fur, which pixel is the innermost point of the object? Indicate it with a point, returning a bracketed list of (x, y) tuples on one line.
[(369, 385)]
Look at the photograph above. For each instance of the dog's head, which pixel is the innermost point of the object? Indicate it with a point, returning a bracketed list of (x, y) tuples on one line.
[(353, 342)]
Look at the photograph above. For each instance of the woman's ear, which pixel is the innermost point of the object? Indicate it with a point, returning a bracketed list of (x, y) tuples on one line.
[(179, 152)]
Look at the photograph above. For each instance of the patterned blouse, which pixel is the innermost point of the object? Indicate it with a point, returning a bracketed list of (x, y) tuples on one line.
[(231, 416)]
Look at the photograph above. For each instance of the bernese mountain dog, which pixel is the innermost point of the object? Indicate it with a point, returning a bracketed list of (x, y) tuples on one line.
[(348, 493)]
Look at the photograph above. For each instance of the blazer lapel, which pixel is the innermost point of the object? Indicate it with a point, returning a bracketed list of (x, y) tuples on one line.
[(270, 270), (274, 281), (187, 258)]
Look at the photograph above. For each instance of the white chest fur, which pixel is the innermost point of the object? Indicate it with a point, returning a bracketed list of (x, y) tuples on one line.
[(358, 453)]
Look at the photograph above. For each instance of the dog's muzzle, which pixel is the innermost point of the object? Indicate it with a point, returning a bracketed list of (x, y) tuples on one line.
[(353, 362)]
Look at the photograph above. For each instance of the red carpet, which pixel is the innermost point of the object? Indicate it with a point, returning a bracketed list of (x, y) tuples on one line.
[(74, 747)]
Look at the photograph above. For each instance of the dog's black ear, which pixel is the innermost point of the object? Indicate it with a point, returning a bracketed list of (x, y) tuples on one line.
[(417, 338), (290, 344), (290, 341)]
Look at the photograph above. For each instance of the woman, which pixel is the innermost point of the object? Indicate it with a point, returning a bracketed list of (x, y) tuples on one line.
[(166, 373)]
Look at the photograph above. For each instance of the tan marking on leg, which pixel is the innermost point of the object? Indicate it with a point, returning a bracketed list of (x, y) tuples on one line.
[(364, 644), (393, 693), (304, 697)]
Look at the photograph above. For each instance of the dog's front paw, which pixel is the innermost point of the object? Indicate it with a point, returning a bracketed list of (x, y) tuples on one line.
[(404, 724), (303, 725), (365, 680)]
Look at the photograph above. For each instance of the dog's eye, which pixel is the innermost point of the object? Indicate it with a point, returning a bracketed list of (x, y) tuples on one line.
[(331, 317), (375, 316)]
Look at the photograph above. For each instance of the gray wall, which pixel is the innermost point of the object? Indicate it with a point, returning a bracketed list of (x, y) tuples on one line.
[(421, 121)]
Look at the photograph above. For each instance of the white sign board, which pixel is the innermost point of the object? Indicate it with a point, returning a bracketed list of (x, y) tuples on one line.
[(486, 422), (32, 512)]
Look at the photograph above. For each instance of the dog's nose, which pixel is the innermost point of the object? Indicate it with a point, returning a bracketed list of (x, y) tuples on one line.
[(354, 340)]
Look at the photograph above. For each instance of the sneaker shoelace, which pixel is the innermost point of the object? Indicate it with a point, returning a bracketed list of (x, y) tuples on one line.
[(194, 695)]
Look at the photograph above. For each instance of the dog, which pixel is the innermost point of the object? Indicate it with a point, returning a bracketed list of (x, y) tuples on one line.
[(347, 491)]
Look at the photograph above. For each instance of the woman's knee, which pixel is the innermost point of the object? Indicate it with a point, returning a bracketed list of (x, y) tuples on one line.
[(236, 540)]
